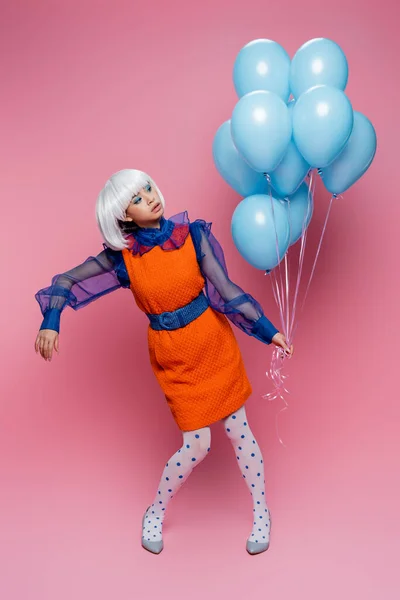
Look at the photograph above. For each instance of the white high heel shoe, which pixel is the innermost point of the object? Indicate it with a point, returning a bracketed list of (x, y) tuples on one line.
[(154, 547), (258, 547)]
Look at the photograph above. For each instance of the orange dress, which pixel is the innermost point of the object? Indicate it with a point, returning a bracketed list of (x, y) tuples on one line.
[(199, 367)]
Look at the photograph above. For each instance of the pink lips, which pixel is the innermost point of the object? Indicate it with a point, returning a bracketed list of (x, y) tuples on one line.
[(157, 206)]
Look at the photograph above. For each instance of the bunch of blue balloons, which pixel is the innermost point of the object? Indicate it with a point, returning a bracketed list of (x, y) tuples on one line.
[(292, 116)]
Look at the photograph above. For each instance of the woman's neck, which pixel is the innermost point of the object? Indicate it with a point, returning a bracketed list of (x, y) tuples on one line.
[(155, 225)]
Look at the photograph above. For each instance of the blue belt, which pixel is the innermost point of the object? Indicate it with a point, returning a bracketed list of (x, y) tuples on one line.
[(180, 317)]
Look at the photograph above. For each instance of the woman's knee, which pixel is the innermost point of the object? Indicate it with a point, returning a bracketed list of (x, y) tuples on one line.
[(198, 442), (234, 423)]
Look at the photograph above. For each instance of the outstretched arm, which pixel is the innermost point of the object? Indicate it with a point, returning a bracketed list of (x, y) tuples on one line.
[(224, 295), (95, 277)]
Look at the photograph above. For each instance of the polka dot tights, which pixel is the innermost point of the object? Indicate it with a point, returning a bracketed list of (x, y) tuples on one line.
[(250, 462), (195, 447)]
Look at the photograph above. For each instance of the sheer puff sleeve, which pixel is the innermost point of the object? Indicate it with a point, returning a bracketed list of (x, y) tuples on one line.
[(224, 295), (95, 277)]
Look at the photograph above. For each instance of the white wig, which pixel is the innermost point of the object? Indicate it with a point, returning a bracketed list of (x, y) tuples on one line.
[(113, 201)]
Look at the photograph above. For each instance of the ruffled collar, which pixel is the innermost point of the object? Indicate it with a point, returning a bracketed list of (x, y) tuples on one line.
[(171, 234)]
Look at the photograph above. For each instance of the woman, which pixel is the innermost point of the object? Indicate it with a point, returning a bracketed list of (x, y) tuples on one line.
[(194, 354)]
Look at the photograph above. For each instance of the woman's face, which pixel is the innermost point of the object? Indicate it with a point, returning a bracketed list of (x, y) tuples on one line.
[(146, 208)]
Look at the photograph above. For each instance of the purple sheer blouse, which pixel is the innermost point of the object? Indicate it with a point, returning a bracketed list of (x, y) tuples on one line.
[(106, 272)]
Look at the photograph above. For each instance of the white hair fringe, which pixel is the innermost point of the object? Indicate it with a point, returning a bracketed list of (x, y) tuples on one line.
[(113, 201)]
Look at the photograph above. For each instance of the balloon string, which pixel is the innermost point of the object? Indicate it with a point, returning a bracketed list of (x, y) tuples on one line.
[(277, 296), (318, 251), (310, 196), (287, 274), (277, 377), (281, 296), (333, 197), (278, 355), (282, 306)]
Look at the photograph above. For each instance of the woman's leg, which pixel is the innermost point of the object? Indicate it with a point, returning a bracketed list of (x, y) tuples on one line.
[(250, 462), (194, 449)]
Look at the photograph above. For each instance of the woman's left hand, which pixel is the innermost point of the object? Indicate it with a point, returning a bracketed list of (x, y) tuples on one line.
[(280, 340)]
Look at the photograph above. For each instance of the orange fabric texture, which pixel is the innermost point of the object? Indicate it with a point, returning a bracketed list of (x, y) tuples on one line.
[(199, 367)]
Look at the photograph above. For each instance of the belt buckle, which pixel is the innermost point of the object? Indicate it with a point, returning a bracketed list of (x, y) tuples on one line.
[(167, 320)]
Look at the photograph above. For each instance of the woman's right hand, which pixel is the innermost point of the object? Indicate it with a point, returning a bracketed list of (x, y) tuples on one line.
[(46, 340), (280, 340)]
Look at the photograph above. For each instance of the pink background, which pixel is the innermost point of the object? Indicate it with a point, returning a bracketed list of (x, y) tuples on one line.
[(89, 88)]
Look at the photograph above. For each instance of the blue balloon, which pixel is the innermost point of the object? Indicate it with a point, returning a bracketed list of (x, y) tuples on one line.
[(300, 207), (292, 169), (233, 168), (257, 222), (322, 124), (318, 62), (261, 129), (262, 65), (355, 159), (290, 172)]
